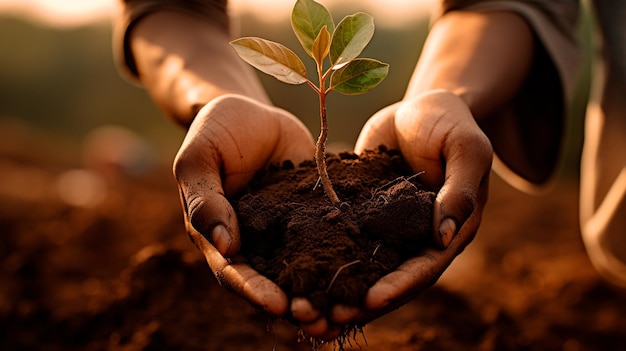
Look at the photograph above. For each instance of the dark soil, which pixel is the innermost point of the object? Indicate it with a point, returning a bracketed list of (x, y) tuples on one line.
[(122, 275), (294, 236)]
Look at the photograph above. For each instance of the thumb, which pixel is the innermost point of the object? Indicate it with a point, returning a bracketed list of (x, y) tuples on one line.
[(207, 210), (464, 192), (453, 207)]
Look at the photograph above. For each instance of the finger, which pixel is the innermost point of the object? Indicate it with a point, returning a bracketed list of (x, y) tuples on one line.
[(317, 328), (314, 324), (342, 314), (207, 210), (332, 333), (409, 278), (303, 311), (320, 329), (466, 181), (241, 279), (244, 281)]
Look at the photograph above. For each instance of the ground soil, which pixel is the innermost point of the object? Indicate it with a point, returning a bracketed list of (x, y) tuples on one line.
[(122, 275), (332, 254)]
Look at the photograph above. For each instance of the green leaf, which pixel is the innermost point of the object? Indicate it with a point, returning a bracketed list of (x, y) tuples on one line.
[(307, 20), (352, 35), (271, 58), (321, 46), (358, 76)]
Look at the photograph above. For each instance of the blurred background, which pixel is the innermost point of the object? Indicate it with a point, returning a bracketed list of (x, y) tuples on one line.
[(57, 73)]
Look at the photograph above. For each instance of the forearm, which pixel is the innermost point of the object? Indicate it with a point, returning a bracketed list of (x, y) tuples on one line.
[(481, 57), (185, 62)]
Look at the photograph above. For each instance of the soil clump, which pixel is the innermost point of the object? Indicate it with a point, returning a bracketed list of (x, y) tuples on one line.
[(332, 255)]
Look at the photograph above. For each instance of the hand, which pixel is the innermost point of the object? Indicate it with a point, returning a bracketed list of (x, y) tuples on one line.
[(437, 134), (230, 139)]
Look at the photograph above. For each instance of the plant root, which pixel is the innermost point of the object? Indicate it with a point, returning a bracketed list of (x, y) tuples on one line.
[(339, 271), (396, 181), (375, 251)]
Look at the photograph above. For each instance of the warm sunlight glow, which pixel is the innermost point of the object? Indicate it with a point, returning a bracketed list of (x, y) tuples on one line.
[(388, 13), (71, 13), (62, 13)]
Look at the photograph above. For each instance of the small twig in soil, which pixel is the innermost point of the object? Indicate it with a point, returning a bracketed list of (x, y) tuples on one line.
[(339, 271), (319, 180)]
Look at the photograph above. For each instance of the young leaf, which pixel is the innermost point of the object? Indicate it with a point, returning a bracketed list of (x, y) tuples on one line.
[(352, 35), (321, 46), (307, 20), (358, 76), (271, 58)]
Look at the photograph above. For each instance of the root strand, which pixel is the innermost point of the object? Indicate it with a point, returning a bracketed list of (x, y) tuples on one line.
[(339, 271)]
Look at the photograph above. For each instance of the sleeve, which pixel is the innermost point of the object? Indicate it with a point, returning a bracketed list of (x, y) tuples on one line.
[(131, 11), (538, 113)]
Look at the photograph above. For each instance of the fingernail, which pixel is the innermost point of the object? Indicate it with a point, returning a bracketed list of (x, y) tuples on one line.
[(447, 229), (221, 238)]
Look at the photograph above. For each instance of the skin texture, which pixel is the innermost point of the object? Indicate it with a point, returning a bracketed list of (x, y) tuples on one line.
[(471, 64)]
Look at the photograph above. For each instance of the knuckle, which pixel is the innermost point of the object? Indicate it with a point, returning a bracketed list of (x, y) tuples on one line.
[(195, 210)]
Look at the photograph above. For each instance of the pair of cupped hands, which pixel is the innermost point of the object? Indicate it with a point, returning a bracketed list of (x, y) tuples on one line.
[(233, 137)]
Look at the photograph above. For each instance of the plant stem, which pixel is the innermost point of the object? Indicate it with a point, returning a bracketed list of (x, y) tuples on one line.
[(320, 150)]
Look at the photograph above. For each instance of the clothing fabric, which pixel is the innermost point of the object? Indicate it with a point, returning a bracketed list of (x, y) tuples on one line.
[(603, 166)]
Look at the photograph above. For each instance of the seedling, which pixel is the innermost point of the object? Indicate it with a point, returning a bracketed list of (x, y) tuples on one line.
[(346, 73)]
